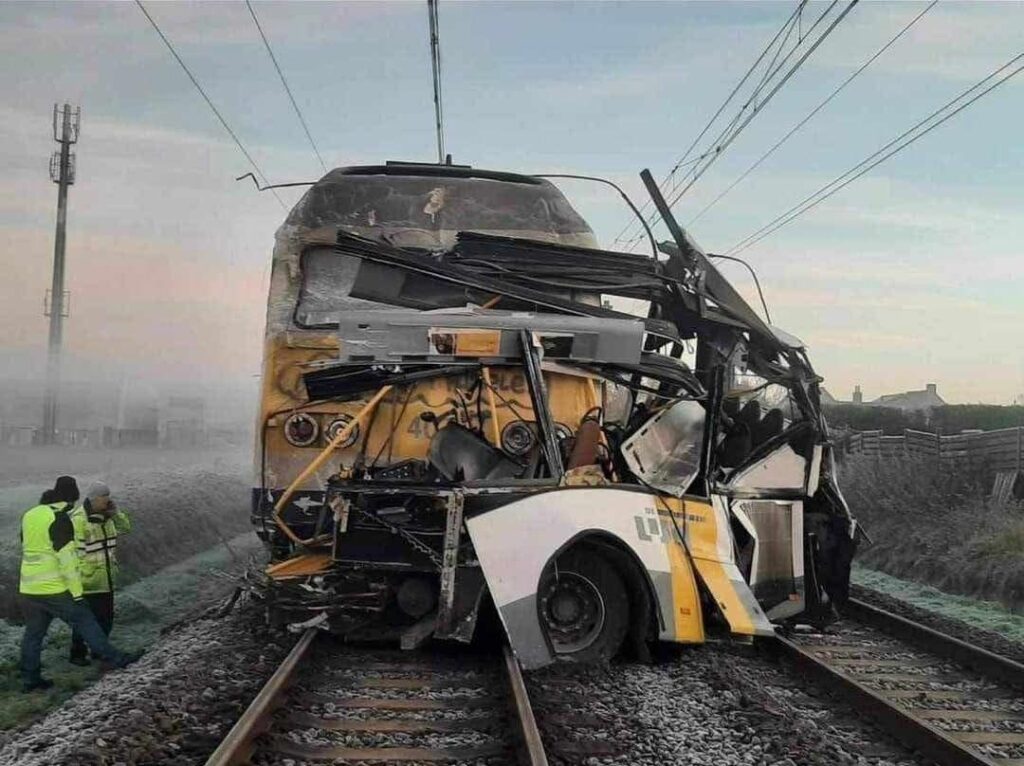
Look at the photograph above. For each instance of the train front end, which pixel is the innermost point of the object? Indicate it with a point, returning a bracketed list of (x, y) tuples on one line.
[(456, 414)]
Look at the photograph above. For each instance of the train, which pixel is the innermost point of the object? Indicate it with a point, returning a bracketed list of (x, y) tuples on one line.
[(472, 413)]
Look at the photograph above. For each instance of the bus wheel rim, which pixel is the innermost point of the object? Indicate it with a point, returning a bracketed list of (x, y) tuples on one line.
[(573, 612)]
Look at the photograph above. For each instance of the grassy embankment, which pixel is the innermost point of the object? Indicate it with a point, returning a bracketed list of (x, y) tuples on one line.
[(143, 609), (190, 518), (985, 615), (180, 503), (933, 524)]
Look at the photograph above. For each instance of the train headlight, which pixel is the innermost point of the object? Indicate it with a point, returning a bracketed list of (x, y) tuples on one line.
[(301, 430), (334, 428), (517, 438)]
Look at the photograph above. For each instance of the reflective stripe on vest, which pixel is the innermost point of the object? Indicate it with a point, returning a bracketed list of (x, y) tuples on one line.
[(99, 545), (97, 550)]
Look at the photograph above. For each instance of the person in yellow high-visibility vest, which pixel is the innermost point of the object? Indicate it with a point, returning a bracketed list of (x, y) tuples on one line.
[(50, 585), (98, 522)]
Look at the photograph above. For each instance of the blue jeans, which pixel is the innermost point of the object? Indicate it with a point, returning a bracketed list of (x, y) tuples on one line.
[(39, 613)]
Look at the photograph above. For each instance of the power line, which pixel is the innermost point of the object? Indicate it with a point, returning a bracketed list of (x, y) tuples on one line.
[(787, 27), (772, 69), (435, 65), (209, 103), (683, 160), (284, 82), (757, 282), (895, 146), (721, 147), (747, 114), (811, 114)]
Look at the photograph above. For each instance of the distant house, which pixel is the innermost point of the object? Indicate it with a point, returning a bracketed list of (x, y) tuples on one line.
[(908, 401), (828, 399), (912, 400)]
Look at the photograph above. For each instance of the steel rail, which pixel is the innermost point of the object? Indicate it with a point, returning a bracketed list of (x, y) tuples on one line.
[(239, 744), (901, 725), (911, 727), (533, 747), (1000, 668)]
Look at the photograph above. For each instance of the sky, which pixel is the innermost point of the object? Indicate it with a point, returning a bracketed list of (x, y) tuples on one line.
[(908, 276)]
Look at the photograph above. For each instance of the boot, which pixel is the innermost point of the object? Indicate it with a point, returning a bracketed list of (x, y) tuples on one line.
[(38, 684)]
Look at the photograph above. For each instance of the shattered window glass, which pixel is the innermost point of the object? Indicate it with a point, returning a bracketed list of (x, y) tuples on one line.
[(327, 278), (744, 385), (665, 452), (756, 409), (389, 202)]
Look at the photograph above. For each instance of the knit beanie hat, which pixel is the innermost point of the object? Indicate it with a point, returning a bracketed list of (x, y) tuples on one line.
[(97, 489), (66, 489)]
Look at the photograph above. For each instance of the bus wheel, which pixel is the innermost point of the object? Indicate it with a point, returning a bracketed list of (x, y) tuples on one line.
[(584, 608)]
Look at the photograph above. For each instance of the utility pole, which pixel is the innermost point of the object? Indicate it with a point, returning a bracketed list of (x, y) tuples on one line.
[(56, 303)]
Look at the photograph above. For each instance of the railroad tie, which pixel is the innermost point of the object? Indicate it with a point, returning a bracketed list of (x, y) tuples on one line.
[(386, 754)]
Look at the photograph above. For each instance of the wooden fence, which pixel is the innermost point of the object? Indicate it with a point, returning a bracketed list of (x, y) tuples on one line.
[(1001, 452)]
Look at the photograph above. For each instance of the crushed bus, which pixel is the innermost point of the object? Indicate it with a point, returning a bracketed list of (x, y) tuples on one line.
[(454, 415)]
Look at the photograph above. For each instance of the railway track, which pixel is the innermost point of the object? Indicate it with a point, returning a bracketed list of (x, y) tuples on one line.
[(337, 704), (955, 703)]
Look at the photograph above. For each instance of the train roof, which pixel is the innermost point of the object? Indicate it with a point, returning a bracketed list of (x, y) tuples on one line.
[(431, 203), (431, 170)]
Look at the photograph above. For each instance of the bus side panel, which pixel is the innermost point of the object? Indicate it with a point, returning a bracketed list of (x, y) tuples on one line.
[(515, 542), (709, 541)]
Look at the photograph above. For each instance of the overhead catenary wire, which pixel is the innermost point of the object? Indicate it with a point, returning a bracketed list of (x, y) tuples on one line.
[(673, 182), (757, 282), (792, 131), (727, 140), (786, 28), (754, 105), (893, 147), (773, 68), (259, 172), (683, 161), (287, 88)]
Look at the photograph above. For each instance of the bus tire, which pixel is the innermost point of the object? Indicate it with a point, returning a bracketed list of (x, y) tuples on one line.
[(583, 607)]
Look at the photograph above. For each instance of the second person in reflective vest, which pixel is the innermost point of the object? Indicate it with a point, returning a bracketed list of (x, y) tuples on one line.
[(98, 522)]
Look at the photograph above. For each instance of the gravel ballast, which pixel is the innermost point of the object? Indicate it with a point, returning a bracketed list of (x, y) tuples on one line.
[(171, 708), (714, 705)]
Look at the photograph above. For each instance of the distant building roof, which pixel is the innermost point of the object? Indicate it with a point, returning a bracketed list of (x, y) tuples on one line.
[(912, 400), (826, 397)]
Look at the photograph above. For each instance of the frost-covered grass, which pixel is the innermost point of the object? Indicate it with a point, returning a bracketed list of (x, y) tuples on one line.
[(933, 523), (142, 609), (987, 615), (180, 502)]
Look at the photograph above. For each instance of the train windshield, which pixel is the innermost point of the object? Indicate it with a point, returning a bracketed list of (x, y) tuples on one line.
[(427, 210)]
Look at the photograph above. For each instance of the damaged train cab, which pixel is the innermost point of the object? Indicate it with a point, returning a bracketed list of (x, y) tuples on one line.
[(454, 415)]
